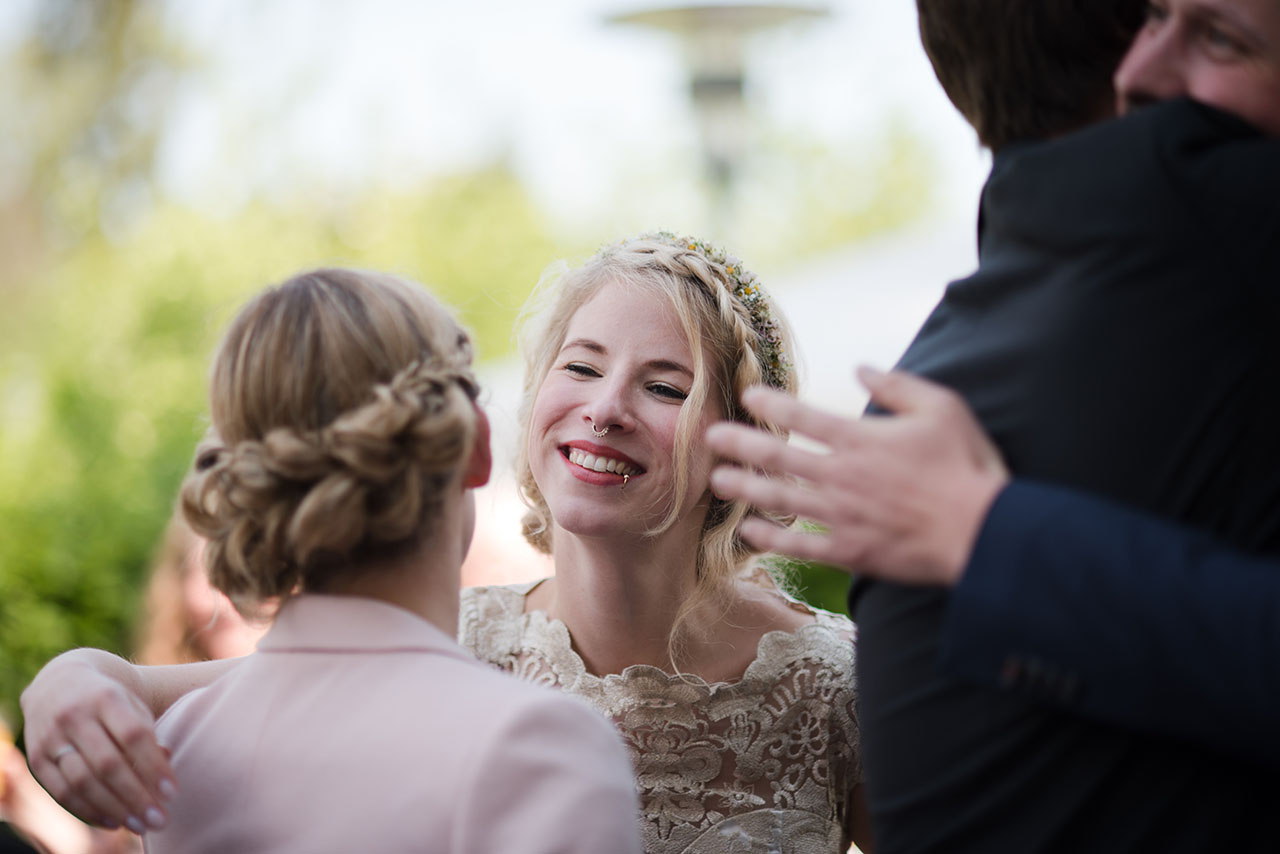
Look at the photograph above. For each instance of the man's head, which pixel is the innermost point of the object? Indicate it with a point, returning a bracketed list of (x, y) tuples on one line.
[(1028, 69), (1225, 53)]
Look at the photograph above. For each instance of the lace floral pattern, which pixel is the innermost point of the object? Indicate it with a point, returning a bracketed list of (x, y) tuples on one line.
[(763, 764)]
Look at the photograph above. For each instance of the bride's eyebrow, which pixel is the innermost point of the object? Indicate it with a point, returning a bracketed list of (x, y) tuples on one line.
[(668, 365), (586, 344), (653, 364)]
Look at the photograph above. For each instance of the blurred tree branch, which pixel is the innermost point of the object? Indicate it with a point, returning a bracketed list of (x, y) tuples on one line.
[(91, 85)]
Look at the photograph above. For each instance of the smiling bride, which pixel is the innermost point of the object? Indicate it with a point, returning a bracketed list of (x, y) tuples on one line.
[(735, 701)]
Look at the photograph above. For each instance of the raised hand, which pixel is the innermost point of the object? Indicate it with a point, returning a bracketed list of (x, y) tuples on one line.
[(91, 742), (901, 496)]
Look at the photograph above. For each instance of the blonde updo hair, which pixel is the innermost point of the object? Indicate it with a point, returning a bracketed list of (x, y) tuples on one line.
[(729, 355), (342, 409)]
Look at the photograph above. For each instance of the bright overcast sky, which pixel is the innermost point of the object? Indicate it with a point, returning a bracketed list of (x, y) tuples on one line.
[(389, 90), (349, 90)]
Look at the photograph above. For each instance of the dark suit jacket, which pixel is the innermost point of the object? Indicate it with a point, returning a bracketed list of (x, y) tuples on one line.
[(1069, 596), (1120, 336)]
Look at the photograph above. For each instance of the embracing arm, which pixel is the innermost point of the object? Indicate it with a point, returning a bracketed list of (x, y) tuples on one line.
[(1123, 618), (89, 719)]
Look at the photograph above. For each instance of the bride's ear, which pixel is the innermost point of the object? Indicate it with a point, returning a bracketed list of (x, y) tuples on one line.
[(480, 464)]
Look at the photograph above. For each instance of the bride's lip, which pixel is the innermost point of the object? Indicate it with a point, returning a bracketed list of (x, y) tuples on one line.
[(582, 448)]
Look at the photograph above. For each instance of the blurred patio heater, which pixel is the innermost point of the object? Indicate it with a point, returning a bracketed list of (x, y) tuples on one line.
[(713, 37)]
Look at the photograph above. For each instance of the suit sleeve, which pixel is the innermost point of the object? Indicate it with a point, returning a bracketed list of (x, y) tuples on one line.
[(1121, 618), (556, 780)]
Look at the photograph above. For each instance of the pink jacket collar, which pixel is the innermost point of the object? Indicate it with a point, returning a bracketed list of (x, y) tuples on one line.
[(317, 623)]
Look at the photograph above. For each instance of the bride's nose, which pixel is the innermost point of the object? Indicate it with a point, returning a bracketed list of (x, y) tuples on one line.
[(609, 411)]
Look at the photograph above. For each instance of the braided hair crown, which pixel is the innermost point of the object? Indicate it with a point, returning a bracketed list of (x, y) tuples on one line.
[(776, 368)]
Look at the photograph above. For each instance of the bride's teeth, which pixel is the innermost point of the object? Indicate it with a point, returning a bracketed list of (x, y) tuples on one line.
[(600, 464)]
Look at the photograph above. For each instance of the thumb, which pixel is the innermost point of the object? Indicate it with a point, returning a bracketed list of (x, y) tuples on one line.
[(899, 392)]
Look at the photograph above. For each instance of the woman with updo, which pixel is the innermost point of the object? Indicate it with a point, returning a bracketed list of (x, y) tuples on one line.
[(337, 480), (735, 702)]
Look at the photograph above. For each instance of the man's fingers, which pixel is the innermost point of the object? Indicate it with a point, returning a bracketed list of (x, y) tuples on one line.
[(768, 537), (787, 412), (763, 450), (902, 393), (776, 496)]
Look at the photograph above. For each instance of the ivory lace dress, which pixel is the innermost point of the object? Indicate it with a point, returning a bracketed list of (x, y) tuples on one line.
[(762, 764)]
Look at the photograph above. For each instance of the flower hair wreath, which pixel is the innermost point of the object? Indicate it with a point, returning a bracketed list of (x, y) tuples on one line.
[(775, 366)]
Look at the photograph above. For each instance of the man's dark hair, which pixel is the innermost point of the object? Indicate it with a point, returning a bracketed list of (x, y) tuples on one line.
[(1028, 69)]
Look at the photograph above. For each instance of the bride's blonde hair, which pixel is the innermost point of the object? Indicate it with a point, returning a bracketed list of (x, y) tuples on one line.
[(342, 410)]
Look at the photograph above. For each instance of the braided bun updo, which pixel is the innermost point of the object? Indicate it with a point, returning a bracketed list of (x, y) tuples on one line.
[(342, 409)]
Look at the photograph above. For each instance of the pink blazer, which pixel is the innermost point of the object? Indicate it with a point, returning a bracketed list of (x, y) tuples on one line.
[(358, 726)]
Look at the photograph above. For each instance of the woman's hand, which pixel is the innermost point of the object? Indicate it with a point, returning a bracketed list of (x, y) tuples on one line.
[(91, 741), (33, 815)]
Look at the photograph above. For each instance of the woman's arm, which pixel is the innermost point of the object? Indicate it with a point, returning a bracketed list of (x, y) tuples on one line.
[(90, 733)]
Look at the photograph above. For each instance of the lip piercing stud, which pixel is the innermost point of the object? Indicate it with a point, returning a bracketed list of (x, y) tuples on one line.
[(599, 434), (625, 478)]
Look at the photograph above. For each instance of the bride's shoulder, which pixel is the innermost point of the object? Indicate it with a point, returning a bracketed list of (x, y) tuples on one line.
[(783, 611), (483, 606), (498, 594), (795, 643)]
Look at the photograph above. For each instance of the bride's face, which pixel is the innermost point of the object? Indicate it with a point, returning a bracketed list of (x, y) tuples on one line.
[(625, 369)]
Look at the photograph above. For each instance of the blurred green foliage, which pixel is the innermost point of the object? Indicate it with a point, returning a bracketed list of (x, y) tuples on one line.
[(806, 196), (112, 300), (820, 585)]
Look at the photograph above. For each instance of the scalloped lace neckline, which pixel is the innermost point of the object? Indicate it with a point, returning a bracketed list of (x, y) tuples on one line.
[(554, 637)]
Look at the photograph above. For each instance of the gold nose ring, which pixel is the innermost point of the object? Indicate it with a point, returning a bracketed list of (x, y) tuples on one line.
[(599, 434)]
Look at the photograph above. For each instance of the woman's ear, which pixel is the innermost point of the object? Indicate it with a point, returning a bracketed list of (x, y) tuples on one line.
[(480, 465)]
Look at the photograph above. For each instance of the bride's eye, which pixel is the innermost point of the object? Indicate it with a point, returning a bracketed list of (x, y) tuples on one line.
[(668, 391), (581, 370)]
